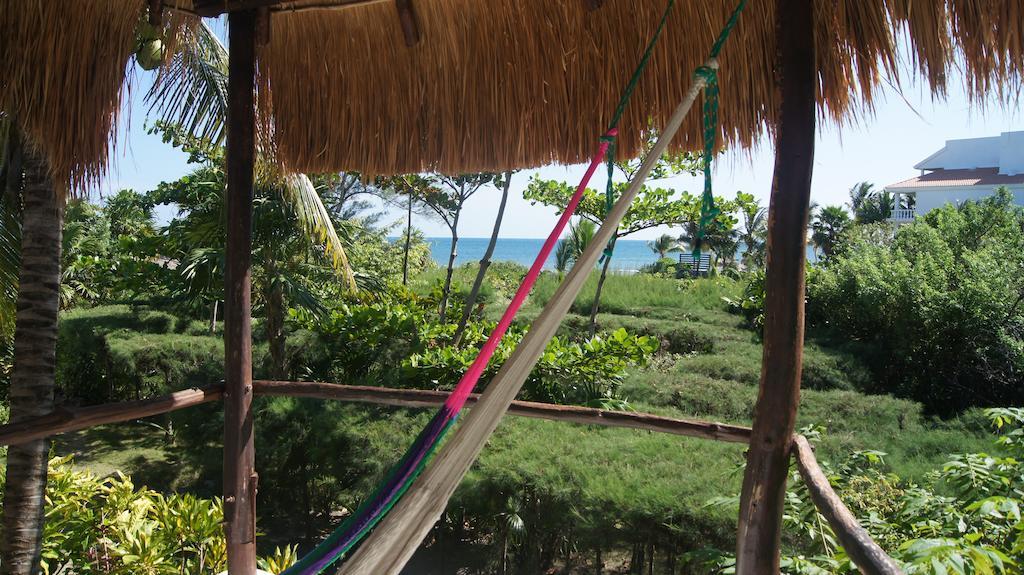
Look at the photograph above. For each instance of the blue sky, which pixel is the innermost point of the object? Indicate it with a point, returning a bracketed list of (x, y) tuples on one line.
[(881, 149)]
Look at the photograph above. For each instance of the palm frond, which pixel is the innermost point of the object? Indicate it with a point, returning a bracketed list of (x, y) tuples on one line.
[(192, 89), (313, 216), (10, 261)]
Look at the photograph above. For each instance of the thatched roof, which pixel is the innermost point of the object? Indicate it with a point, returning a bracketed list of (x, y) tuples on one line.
[(498, 84), (62, 71)]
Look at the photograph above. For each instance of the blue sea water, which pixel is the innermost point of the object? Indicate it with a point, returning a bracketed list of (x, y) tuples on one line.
[(629, 255)]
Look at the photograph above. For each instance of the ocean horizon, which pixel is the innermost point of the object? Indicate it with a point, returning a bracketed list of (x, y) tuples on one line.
[(629, 256)]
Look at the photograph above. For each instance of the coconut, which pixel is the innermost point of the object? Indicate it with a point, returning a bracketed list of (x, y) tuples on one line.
[(150, 54)]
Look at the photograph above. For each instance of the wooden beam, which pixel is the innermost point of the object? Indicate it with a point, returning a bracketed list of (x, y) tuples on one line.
[(569, 413), (214, 8), (764, 481), (156, 13), (65, 420), (410, 26), (239, 451), (862, 549)]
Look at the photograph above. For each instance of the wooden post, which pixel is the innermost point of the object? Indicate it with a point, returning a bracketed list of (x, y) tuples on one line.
[(764, 482), (239, 452)]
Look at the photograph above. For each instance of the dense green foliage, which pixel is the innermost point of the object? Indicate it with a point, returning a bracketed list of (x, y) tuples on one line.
[(935, 308), (965, 518), (109, 526)]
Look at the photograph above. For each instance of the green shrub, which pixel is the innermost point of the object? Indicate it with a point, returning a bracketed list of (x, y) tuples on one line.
[(116, 353), (400, 344), (109, 526), (964, 519), (937, 308)]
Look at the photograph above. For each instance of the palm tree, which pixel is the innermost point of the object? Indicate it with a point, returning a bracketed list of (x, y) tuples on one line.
[(192, 92), (869, 206), (859, 194), (827, 229), (753, 233), (35, 337), (663, 245)]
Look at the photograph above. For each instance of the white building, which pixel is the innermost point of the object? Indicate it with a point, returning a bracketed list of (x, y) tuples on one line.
[(961, 171)]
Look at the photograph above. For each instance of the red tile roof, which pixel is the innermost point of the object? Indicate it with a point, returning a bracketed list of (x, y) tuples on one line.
[(956, 178)]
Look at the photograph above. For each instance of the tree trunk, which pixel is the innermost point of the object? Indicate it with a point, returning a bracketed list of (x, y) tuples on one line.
[(599, 562), (485, 262), (452, 254), (240, 479), (213, 318), (597, 296), (762, 499), (32, 378), (275, 325), (408, 242)]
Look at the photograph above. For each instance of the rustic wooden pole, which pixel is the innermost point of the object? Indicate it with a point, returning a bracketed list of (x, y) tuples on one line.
[(568, 413), (239, 453), (65, 420), (764, 482), (869, 558)]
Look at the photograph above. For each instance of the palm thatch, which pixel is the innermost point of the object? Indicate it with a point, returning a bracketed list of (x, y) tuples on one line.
[(499, 84), (63, 68)]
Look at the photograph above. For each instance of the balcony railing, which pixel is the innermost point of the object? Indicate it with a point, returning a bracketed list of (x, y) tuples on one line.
[(903, 215)]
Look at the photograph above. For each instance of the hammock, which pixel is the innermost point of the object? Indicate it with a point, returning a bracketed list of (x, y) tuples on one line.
[(398, 523)]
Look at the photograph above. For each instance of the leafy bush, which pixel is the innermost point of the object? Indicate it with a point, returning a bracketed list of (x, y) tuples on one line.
[(115, 353), (400, 344), (939, 308), (750, 304), (966, 519), (108, 526)]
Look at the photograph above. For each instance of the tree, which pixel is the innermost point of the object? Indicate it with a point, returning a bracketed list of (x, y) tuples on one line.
[(504, 181), (870, 206), (827, 229), (32, 376), (937, 308), (415, 188), (196, 89), (290, 222), (753, 231), (651, 208), (447, 198), (570, 248), (663, 245)]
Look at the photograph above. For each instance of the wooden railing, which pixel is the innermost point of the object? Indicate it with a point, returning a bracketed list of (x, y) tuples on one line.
[(864, 552)]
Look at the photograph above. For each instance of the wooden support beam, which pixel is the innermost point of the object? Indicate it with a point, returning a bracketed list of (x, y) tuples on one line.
[(214, 8), (65, 420), (764, 481), (569, 413), (239, 451), (156, 13), (862, 549), (410, 26)]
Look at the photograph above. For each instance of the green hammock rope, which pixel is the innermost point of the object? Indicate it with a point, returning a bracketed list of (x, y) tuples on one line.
[(708, 211)]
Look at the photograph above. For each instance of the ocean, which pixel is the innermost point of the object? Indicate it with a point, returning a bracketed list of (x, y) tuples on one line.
[(629, 256)]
